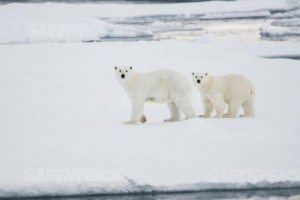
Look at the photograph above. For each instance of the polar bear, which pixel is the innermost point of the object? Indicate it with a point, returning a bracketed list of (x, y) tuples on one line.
[(160, 86), (234, 90)]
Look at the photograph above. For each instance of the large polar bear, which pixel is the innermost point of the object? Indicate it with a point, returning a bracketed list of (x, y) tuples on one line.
[(233, 89), (160, 86)]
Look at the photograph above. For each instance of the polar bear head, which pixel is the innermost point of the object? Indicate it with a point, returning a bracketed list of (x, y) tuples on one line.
[(199, 78), (123, 73)]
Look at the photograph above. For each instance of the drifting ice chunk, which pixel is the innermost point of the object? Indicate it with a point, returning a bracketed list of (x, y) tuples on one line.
[(235, 15), (287, 22), (277, 32)]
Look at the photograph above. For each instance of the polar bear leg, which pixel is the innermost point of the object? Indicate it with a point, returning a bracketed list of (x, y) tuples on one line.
[(208, 107), (186, 107), (219, 104), (136, 112), (248, 107), (175, 112), (233, 109)]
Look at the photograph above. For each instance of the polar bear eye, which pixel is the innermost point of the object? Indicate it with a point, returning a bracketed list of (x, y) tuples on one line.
[(126, 70), (201, 76), (120, 70)]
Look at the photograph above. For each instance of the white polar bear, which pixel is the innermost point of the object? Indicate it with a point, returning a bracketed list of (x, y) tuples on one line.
[(160, 86), (233, 89)]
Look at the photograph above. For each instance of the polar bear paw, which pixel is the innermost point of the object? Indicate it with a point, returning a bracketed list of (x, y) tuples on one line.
[(143, 119), (204, 115)]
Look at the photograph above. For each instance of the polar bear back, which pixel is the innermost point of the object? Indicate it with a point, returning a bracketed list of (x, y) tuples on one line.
[(233, 86), (169, 80), (173, 79), (159, 86)]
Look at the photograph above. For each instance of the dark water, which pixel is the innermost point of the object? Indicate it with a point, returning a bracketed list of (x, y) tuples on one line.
[(293, 57), (273, 194)]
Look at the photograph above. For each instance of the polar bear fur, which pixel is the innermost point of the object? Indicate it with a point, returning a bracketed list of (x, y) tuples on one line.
[(160, 86), (234, 90)]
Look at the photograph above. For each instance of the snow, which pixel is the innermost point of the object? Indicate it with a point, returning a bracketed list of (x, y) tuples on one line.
[(74, 30), (129, 10), (62, 108), (287, 22), (35, 22), (280, 28), (289, 14), (279, 32), (62, 111), (294, 197), (161, 26)]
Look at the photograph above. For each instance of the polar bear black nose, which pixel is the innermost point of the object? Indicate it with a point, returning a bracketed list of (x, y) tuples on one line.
[(198, 81), (122, 76)]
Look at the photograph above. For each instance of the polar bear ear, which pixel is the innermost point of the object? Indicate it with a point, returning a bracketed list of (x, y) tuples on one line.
[(130, 67), (206, 73), (116, 67)]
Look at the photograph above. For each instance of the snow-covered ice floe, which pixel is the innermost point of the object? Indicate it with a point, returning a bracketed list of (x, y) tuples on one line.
[(281, 28), (62, 111), (276, 32), (74, 30), (293, 13), (35, 23), (292, 22), (234, 15)]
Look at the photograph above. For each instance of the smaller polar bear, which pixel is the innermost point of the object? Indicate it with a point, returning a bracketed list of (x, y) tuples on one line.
[(160, 86), (233, 89)]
